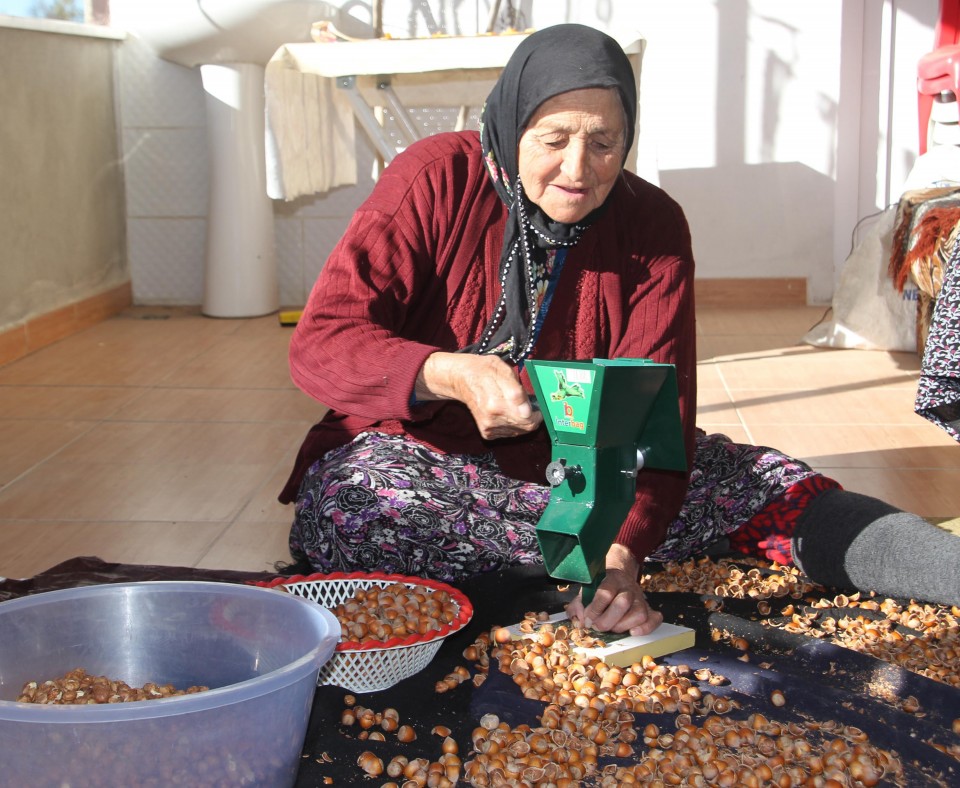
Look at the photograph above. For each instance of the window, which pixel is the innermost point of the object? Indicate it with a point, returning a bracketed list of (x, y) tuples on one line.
[(95, 12)]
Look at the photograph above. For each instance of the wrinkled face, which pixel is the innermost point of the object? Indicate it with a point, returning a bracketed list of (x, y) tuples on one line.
[(571, 151)]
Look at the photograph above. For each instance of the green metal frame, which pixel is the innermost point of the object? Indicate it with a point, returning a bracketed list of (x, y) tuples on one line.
[(599, 414)]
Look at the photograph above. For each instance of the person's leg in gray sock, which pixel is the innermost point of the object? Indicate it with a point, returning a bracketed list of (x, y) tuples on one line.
[(849, 540)]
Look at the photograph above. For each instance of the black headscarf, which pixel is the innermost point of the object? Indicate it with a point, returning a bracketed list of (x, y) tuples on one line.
[(549, 62)]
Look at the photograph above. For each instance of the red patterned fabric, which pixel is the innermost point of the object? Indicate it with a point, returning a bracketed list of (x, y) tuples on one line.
[(769, 532)]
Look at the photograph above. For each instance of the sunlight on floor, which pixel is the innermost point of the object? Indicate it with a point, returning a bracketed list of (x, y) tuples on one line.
[(160, 436)]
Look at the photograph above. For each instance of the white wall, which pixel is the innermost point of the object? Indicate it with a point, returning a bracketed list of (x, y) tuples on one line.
[(776, 125), (898, 34)]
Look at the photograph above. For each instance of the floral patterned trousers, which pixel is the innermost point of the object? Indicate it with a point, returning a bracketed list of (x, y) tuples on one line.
[(388, 503)]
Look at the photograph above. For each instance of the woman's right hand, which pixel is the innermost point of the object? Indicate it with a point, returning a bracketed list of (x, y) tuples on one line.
[(487, 385)]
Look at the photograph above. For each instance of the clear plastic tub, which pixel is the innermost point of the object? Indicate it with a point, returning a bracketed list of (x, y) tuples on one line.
[(258, 650)]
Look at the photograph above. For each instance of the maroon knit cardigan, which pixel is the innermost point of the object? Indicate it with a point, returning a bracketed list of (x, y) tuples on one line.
[(416, 272)]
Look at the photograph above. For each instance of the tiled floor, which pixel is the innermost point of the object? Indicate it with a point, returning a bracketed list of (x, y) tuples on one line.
[(163, 437)]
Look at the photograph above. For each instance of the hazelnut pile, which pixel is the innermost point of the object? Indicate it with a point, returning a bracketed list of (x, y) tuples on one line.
[(394, 611), (726, 578), (720, 752), (78, 688), (388, 721), (377, 725), (590, 714), (545, 666), (235, 748), (921, 638), (589, 718)]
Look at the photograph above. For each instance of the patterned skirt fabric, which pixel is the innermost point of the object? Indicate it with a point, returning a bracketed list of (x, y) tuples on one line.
[(938, 392), (730, 484), (387, 503)]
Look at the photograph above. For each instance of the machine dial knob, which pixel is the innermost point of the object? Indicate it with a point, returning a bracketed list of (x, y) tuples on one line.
[(558, 472)]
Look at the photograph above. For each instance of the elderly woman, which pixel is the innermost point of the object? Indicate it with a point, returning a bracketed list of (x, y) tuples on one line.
[(473, 253)]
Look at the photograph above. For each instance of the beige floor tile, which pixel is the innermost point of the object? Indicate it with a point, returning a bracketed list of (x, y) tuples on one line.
[(117, 352), (263, 506), (877, 447), (704, 353), (133, 492), (28, 547), (222, 405), (250, 358), (808, 368), (854, 404), (708, 376), (926, 492), (725, 348), (267, 327), (249, 546), (205, 443), (76, 403), (26, 444), (714, 407), (159, 322)]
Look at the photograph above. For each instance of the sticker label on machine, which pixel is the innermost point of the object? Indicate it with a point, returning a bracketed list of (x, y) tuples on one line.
[(568, 391)]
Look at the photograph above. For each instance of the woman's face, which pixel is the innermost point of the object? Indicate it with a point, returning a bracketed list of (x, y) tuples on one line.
[(571, 152)]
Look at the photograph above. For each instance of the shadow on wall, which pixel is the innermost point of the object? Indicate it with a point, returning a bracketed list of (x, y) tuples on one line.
[(762, 202), (782, 217)]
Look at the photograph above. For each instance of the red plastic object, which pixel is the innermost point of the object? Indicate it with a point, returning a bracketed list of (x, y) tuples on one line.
[(464, 606), (937, 70)]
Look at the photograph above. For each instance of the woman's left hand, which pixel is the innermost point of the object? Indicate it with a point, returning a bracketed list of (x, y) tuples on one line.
[(619, 604)]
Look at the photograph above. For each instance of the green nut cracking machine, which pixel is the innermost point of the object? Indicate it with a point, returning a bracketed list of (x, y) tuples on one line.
[(607, 420)]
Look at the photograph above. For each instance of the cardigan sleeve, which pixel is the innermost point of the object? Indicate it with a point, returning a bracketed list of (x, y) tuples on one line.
[(345, 350), (660, 325), (377, 308)]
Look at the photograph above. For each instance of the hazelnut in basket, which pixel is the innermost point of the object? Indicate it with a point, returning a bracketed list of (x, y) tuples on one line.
[(391, 625), (394, 611)]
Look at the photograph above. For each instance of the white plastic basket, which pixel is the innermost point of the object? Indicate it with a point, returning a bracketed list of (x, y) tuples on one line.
[(362, 667)]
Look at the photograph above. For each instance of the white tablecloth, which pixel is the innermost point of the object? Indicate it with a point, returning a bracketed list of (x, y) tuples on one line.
[(310, 123)]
